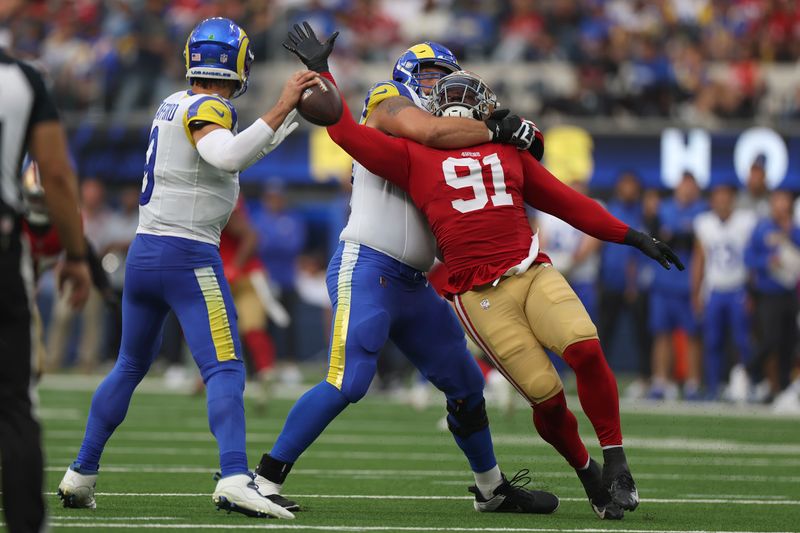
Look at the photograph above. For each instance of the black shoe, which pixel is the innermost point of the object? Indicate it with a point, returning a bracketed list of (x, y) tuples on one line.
[(599, 496), (512, 497), (618, 480), (623, 491)]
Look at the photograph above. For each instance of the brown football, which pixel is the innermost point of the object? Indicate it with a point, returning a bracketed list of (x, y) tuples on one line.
[(321, 104)]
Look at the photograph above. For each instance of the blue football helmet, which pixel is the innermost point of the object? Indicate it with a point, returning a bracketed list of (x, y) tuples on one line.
[(219, 49), (427, 54)]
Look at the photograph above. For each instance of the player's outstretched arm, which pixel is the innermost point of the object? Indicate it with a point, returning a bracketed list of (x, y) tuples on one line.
[(382, 155), (218, 145), (545, 192), (400, 117)]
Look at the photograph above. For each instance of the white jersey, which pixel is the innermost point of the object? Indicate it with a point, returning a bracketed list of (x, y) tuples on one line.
[(182, 194), (723, 245), (562, 241), (382, 216)]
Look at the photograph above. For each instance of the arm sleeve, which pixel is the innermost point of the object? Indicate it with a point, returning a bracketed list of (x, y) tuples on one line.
[(382, 155), (545, 192), (232, 153), (44, 109)]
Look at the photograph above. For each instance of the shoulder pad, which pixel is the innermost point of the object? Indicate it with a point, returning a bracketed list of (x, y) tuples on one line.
[(383, 90), (211, 108)]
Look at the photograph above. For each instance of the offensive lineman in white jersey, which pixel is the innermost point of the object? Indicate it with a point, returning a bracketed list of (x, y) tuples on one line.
[(718, 279), (378, 288), (191, 183)]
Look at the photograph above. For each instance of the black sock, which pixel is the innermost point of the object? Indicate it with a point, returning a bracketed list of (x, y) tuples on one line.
[(614, 459), (272, 469)]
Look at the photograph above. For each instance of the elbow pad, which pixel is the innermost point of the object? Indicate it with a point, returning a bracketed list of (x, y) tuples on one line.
[(231, 153)]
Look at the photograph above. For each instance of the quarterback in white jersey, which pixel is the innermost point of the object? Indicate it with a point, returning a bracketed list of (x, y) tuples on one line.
[(190, 186), (718, 279)]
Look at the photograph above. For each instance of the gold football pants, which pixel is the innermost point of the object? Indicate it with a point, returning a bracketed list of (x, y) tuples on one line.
[(516, 320)]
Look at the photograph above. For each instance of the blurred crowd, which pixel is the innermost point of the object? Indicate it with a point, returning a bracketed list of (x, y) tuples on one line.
[(636, 57), (726, 328)]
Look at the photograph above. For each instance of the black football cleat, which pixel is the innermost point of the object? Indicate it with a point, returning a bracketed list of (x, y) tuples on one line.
[(513, 497), (618, 480), (599, 496), (623, 490)]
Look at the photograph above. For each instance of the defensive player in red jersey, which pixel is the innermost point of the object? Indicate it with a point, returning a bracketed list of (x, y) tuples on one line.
[(243, 268), (509, 299)]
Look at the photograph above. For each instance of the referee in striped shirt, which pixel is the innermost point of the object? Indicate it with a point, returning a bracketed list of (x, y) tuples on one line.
[(29, 123)]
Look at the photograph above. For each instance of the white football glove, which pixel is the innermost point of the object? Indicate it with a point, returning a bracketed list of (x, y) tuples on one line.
[(283, 131)]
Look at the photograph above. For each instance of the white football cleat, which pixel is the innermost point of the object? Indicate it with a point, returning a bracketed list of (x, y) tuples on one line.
[(738, 385), (272, 492), (77, 490), (788, 401), (239, 493)]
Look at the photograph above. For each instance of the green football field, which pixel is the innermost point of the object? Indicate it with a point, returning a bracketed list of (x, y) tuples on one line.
[(384, 467)]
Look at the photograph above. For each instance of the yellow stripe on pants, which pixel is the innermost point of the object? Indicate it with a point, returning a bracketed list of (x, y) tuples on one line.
[(342, 319), (217, 313)]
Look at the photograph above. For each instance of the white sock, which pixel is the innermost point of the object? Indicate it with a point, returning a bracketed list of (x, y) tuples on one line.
[(268, 487), (488, 481)]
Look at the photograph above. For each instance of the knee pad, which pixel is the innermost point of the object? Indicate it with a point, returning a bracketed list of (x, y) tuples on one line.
[(361, 357), (358, 379), (541, 384), (463, 420), (232, 373)]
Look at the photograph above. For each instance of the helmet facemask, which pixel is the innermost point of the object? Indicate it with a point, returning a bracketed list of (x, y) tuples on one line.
[(462, 94)]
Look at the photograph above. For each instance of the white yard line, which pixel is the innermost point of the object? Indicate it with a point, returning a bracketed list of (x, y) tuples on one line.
[(705, 501), (289, 526), (115, 518), (156, 385), (632, 442), (388, 474), (457, 457)]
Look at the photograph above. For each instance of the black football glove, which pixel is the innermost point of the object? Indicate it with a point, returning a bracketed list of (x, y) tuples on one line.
[(306, 46), (653, 248), (515, 130)]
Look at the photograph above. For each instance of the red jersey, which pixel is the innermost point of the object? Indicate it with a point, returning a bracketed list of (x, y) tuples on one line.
[(474, 199), (229, 246)]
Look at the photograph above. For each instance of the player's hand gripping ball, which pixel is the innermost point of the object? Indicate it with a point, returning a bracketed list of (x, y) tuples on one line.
[(321, 104)]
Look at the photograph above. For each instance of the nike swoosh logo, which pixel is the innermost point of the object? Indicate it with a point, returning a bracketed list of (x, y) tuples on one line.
[(381, 92), (218, 112)]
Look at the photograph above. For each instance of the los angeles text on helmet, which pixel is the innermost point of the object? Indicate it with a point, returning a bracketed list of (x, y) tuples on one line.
[(210, 73), (691, 151)]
